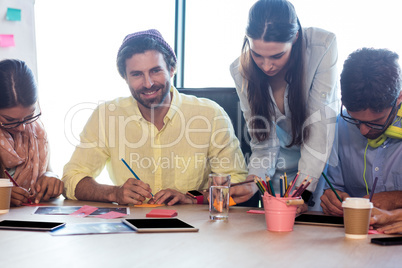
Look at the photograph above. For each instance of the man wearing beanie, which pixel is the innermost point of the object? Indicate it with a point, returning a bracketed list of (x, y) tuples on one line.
[(171, 141)]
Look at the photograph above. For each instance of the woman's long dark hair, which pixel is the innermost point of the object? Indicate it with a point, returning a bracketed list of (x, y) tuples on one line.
[(17, 84), (274, 21), (17, 87)]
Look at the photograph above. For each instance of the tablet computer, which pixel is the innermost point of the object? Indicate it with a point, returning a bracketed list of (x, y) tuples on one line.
[(387, 241), (30, 225), (319, 219), (157, 225)]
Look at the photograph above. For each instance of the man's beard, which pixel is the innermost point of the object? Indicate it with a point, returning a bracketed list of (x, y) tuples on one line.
[(155, 102), (374, 135)]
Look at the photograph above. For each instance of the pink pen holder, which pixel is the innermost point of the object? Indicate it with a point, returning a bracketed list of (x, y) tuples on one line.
[(280, 212)]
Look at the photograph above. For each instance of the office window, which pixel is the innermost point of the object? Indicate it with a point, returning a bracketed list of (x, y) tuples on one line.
[(215, 31), (214, 37), (357, 23), (77, 44)]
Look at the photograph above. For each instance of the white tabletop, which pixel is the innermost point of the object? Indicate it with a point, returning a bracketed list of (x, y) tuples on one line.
[(242, 241)]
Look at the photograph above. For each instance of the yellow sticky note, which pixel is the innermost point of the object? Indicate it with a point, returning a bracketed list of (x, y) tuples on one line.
[(149, 205)]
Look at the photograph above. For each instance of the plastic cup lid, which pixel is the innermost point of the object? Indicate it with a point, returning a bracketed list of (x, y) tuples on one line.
[(5, 183), (354, 202)]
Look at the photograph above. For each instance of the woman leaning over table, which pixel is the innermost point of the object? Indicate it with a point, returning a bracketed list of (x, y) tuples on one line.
[(286, 79), (24, 150)]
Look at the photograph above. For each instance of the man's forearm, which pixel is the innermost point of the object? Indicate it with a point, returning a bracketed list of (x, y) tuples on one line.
[(88, 189), (389, 200), (396, 215), (398, 199)]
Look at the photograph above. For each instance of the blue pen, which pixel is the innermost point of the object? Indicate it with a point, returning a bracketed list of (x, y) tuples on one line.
[(132, 171), (129, 168)]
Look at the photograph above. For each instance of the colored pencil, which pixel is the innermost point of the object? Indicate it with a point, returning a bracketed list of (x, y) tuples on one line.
[(305, 187), (292, 184), (260, 188), (264, 184), (132, 171), (129, 168), (287, 190), (286, 182), (15, 183), (297, 193), (239, 183), (332, 187), (11, 178), (373, 188), (269, 182)]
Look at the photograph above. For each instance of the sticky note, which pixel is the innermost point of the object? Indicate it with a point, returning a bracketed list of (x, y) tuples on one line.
[(252, 211), (149, 205), (231, 202), (374, 232), (33, 204), (84, 211), (111, 215), (7, 40), (162, 213), (218, 205), (13, 14)]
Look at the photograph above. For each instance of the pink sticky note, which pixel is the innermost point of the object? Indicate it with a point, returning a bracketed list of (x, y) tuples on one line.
[(256, 211), (111, 215), (162, 213), (7, 40), (84, 211), (374, 232)]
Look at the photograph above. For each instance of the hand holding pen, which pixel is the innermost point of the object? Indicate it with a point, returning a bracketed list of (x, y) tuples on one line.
[(133, 191), (19, 195), (331, 200)]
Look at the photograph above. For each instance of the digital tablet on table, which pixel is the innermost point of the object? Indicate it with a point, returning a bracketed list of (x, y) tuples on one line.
[(157, 225)]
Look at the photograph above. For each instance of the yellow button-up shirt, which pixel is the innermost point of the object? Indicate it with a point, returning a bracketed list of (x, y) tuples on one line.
[(197, 139)]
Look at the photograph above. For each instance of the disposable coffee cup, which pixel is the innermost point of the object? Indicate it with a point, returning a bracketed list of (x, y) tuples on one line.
[(356, 217), (5, 195)]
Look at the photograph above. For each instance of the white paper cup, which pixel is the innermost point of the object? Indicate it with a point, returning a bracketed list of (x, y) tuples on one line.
[(356, 217), (5, 195)]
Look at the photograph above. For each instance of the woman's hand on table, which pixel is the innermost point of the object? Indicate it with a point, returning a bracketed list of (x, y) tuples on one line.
[(48, 186), (19, 196)]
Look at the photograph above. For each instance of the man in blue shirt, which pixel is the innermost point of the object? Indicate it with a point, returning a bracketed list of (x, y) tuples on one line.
[(369, 134)]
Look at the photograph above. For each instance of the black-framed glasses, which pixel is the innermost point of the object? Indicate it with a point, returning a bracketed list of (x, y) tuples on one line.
[(369, 124), (17, 124)]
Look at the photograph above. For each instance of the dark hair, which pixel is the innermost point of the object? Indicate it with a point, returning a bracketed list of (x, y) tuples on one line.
[(370, 79), (141, 45), (17, 84), (274, 21)]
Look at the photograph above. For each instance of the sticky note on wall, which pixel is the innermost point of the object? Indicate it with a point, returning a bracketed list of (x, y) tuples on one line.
[(13, 14), (7, 40)]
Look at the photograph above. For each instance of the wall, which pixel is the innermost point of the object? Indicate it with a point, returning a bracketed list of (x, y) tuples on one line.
[(23, 32)]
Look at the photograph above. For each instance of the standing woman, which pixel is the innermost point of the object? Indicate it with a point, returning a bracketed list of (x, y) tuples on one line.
[(286, 79), (24, 150)]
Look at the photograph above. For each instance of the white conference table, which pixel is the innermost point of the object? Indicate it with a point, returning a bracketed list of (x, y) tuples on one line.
[(242, 241)]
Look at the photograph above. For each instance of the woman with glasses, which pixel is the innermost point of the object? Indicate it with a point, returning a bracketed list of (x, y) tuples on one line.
[(286, 79), (24, 150)]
